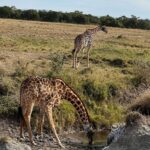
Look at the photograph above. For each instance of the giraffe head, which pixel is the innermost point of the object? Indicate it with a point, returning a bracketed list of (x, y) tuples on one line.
[(89, 132), (104, 29)]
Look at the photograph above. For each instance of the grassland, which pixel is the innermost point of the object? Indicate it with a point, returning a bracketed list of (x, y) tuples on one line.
[(119, 61)]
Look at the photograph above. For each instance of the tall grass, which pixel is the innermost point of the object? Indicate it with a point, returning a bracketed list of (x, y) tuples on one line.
[(117, 63)]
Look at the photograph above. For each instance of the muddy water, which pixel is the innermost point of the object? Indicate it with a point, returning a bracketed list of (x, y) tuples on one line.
[(100, 137)]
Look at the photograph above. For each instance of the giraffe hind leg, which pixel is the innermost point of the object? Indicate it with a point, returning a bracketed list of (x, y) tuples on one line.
[(88, 51), (40, 123), (27, 118), (22, 125), (51, 122), (74, 55), (22, 122)]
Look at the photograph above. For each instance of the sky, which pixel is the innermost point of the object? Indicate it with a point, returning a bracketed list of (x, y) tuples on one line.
[(115, 8)]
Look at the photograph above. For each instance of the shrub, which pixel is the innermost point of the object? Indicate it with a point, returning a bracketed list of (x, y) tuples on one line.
[(7, 86), (142, 105), (3, 89), (141, 74), (134, 118), (65, 115), (95, 91), (23, 70), (118, 63), (57, 61), (8, 106), (112, 90)]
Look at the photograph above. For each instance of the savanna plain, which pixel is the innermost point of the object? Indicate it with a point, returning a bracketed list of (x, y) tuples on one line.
[(119, 68)]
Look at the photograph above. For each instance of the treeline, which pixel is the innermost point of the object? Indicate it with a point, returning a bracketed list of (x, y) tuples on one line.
[(73, 17)]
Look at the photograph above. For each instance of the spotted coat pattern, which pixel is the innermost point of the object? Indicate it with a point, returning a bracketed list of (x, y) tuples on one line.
[(48, 93), (83, 41)]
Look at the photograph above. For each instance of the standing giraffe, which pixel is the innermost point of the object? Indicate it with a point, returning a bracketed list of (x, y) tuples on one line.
[(85, 40), (47, 94)]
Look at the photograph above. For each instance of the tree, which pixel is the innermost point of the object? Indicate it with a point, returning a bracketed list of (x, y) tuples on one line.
[(5, 12), (30, 14)]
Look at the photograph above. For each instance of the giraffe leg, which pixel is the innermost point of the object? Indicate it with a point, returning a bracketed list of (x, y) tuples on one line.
[(82, 55), (22, 124), (40, 122), (51, 122), (74, 59), (27, 117), (88, 50), (73, 66)]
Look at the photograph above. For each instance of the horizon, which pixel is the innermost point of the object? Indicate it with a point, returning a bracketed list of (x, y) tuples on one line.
[(138, 8)]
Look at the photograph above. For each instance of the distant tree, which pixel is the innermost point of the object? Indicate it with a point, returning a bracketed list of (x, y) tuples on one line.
[(5, 12), (109, 21), (132, 22), (52, 16), (30, 14), (67, 17), (93, 19), (79, 17), (43, 15), (74, 17)]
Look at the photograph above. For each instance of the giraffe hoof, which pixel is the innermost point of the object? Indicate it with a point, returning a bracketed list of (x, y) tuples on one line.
[(33, 143), (63, 147), (39, 137), (22, 137), (78, 64)]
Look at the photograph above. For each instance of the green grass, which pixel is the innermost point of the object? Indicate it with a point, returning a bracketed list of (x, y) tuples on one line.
[(44, 49)]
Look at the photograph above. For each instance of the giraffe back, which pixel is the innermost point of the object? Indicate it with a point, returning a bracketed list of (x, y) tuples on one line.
[(82, 40), (37, 90)]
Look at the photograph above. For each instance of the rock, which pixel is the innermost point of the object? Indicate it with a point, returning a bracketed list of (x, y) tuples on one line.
[(136, 134), (7, 143)]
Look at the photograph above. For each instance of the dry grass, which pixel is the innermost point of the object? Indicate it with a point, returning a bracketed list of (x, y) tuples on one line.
[(142, 105), (134, 119), (5, 140), (27, 48)]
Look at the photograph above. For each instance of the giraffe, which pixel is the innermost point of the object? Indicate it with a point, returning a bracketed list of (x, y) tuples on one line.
[(83, 41), (46, 94)]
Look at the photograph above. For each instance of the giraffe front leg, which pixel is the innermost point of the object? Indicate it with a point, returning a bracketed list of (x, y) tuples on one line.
[(75, 66), (51, 122), (22, 124), (27, 120), (88, 51)]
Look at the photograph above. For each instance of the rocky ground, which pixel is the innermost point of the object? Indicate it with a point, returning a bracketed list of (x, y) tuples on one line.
[(9, 128), (136, 135)]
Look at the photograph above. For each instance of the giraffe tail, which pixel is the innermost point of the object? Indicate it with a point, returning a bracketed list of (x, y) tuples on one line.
[(20, 115), (73, 51)]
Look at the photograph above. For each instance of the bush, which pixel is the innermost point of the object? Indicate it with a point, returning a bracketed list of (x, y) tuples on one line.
[(57, 61), (3, 90), (65, 116), (118, 63), (7, 86), (95, 92), (112, 90), (8, 106), (141, 74)]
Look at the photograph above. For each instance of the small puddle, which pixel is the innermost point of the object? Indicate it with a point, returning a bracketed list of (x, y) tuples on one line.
[(100, 137)]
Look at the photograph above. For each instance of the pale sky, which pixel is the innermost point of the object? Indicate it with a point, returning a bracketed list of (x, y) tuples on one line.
[(115, 8)]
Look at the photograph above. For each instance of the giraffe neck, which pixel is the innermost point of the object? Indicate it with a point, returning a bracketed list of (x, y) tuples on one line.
[(92, 31), (74, 99)]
